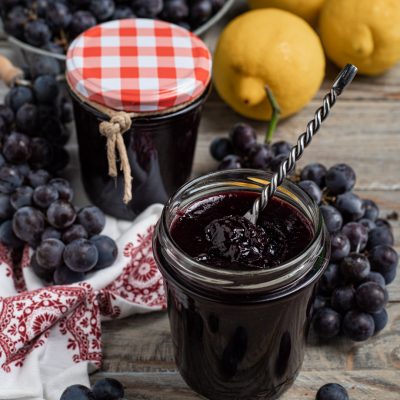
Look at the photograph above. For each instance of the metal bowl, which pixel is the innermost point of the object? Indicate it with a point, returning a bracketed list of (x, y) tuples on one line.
[(28, 51)]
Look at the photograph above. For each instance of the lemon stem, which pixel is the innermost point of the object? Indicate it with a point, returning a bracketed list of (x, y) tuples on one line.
[(276, 112)]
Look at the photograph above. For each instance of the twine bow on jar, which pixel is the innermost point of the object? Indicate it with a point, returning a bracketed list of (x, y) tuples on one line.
[(113, 130)]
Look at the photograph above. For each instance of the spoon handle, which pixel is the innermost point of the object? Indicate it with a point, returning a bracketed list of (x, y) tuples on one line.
[(344, 78)]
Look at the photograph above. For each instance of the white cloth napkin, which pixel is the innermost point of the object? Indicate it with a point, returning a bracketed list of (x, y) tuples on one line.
[(50, 337)]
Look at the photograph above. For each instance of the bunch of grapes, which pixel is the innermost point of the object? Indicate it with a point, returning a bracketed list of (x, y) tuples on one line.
[(52, 24), (352, 292), (104, 389)]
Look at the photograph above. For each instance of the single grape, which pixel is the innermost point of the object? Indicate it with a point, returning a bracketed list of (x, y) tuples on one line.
[(350, 206), (343, 299), (220, 148), (355, 267), (26, 118), (6, 209), (340, 247), (332, 217), (81, 21), (358, 326), (108, 389), (281, 147), (389, 276), (380, 319), (51, 233), (123, 12), (41, 65), (49, 254), (21, 197), (340, 178), (200, 11), (367, 223), (383, 223), (41, 153), (147, 8), (65, 276), (81, 255), (44, 196), (371, 297), (7, 114), (314, 172), (74, 232), (230, 162), (63, 187), (312, 189), (259, 156), (77, 392), (15, 22), (16, 148), (46, 89), (37, 33), (329, 280), (10, 179), (24, 169), (7, 236), (28, 224), (61, 214), (38, 178), (175, 11), (243, 138), (383, 258), (102, 9), (375, 277), (107, 249), (332, 391), (58, 15), (371, 210), (42, 273), (65, 110), (18, 96), (60, 159), (357, 235), (319, 303), (380, 236), (327, 323), (92, 219)]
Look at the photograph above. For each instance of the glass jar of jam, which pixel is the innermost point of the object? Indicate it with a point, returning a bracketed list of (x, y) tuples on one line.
[(240, 296), (138, 88)]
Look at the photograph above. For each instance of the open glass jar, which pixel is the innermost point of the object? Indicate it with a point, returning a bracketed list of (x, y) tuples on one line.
[(239, 334), (138, 87)]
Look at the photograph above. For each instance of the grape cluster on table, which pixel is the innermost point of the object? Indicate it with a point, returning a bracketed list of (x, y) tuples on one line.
[(36, 207), (52, 24), (104, 389)]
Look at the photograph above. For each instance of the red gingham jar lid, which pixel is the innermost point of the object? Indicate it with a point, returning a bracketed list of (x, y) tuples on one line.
[(138, 65)]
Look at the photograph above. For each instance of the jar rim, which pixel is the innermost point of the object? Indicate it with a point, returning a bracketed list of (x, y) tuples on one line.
[(288, 273)]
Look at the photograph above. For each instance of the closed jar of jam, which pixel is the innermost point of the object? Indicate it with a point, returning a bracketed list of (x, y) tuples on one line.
[(138, 88), (240, 314)]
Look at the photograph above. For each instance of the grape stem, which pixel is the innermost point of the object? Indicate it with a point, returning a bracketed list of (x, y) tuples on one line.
[(276, 112)]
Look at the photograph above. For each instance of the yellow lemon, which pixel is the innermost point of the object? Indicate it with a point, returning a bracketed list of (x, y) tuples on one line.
[(306, 9), (268, 47), (362, 32)]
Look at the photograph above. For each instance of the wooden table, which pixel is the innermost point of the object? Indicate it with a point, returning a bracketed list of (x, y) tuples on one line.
[(364, 130)]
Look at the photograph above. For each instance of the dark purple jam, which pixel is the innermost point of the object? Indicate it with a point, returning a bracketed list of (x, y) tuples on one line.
[(222, 238)]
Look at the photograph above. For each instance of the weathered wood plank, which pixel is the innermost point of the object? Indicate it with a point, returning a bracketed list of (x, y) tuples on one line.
[(374, 385)]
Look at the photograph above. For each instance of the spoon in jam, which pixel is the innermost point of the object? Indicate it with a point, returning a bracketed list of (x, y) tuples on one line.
[(344, 78)]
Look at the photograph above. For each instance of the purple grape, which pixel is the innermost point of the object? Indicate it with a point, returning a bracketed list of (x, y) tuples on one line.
[(340, 247), (380, 236), (63, 187), (45, 195), (220, 148), (327, 323), (259, 156), (329, 280), (383, 259), (355, 267), (37, 33), (108, 389), (49, 254), (371, 297), (51, 233), (340, 178), (230, 162), (28, 224), (7, 114), (383, 223), (58, 15), (22, 197), (26, 119), (371, 210), (16, 20), (389, 276), (42, 273), (358, 326), (332, 217), (81, 21), (375, 277), (10, 179), (46, 89), (277, 161), (65, 276), (332, 391), (61, 214), (281, 147), (81, 255), (41, 152), (102, 9), (367, 223), (243, 138), (44, 66), (60, 159), (200, 11), (380, 319), (312, 189), (175, 11), (319, 303), (6, 209), (18, 96), (123, 12), (7, 236), (74, 232), (314, 172), (107, 249), (16, 148), (38, 178), (357, 235), (343, 299), (92, 219), (147, 8), (350, 206)]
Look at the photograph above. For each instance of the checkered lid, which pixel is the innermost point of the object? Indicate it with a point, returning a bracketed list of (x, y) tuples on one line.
[(138, 65)]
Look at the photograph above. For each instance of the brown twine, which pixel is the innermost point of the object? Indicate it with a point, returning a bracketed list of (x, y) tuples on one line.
[(8, 72)]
